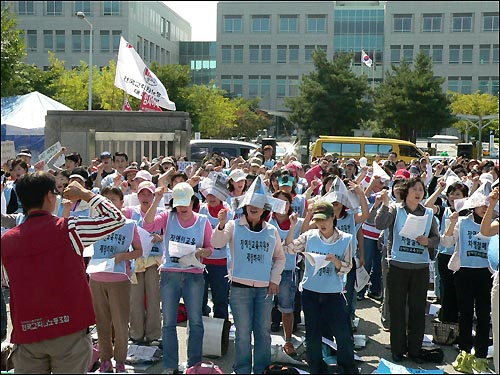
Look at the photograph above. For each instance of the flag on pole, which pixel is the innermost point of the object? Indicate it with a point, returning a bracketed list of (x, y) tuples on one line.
[(126, 105), (366, 59), (134, 77), (148, 103)]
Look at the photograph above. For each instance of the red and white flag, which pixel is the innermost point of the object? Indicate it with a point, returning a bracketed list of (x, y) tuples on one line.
[(366, 59), (134, 77), (126, 105), (148, 103)]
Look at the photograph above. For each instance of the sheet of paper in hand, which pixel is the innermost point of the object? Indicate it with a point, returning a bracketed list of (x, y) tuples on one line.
[(414, 226), (318, 261), (177, 249)]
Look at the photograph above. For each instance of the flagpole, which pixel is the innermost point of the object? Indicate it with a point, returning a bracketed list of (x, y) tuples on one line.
[(373, 71)]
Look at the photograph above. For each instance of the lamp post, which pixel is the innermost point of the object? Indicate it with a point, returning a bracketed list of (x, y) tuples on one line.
[(81, 15)]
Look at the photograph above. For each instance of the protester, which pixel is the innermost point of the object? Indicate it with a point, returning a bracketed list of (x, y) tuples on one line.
[(71, 161), (50, 327), (104, 168), (236, 184), (408, 274), (120, 163), (19, 168), (182, 227), (322, 298), (25, 155), (111, 290), (257, 261)]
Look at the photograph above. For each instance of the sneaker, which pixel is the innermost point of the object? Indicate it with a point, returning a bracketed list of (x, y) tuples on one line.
[(463, 362), (480, 366), (106, 367), (120, 367), (360, 297), (375, 296), (275, 327), (289, 349), (397, 357)]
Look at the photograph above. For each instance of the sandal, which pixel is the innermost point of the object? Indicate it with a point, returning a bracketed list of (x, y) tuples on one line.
[(289, 349)]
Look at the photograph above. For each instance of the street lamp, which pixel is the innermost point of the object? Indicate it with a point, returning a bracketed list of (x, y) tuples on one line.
[(480, 126), (81, 15)]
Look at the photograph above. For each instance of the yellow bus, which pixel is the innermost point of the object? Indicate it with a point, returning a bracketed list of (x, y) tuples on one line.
[(356, 147)]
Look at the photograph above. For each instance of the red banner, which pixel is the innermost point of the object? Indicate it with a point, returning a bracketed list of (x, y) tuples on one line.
[(148, 103), (126, 105)]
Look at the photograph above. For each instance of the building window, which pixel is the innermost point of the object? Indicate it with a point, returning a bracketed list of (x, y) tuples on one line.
[(432, 23), (232, 24), (31, 41), (453, 84), (265, 86), (116, 40), (86, 41), (288, 24), (253, 86), (462, 22), (454, 54), (84, 6), (226, 83), (254, 54), (238, 86), (293, 54), (484, 85), (484, 53), (261, 24), (437, 54), (265, 53), (408, 53), (293, 86), (111, 8), (145, 49), (226, 54), (281, 55), (280, 86), (26, 7), (54, 8), (316, 23), (308, 53), (395, 54), (60, 41), (467, 54), (238, 54), (494, 86), (48, 40), (466, 85), (402, 23), (490, 21), (104, 40), (426, 50), (76, 40), (495, 53)]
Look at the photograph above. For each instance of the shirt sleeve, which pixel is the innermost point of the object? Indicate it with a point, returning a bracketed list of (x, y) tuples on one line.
[(296, 246), (159, 223), (84, 231), (220, 238), (207, 238), (136, 241), (346, 263), (385, 217), (278, 260)]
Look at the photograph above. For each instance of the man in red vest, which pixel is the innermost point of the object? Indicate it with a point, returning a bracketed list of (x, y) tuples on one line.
[(50, 301)]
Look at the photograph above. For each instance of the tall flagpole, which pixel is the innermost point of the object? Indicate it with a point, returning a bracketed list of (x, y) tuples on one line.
[(373, 71)]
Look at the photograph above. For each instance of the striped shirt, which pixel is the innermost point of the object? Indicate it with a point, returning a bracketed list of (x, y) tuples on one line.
[(84, 231)]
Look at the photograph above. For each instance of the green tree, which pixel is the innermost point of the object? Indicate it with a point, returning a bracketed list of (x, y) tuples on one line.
[(12, 53), (411, 99), (332, 99), (175, 78), (249, 121), (476, 104)]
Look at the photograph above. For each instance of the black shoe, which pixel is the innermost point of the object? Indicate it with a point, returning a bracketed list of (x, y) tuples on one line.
[(417, 359), (375, 296), (275, 327), (360, 297), (397, 357)]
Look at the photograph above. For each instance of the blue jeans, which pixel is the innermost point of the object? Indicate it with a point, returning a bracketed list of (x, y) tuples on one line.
[(219, 285), (189, 286), (350, 292), (373, 258), (286, 295), (252, 314), (329, 309)]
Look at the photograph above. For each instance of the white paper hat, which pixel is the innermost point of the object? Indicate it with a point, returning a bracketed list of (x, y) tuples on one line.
[(259, 195), (339, 193), (450, 178), (378, 171), (215, 184), (477, 199)]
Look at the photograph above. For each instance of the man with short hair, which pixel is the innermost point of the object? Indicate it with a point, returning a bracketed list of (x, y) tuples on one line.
[(120, 163), (104, 168), (51, 305)]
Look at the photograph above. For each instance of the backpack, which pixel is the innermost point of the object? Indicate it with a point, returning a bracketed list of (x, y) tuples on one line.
[(280, 369), (204, 368)]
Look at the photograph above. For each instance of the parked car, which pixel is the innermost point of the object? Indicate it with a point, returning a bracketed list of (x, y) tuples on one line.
[(226, 148)]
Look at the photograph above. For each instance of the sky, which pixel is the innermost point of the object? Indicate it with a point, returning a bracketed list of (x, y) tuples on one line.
[(202, 15)]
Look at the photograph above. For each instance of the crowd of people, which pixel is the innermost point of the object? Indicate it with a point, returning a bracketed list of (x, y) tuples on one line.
[(118, 243)]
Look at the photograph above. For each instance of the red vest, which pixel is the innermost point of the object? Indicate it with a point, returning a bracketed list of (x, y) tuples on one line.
[(49, 292)]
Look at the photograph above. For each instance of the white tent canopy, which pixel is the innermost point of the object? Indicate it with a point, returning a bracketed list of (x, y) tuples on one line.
[(25, 114)]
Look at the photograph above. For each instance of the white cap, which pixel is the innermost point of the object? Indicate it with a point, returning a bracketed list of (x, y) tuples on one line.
[(237, 175), (181, 194), (145, 175)]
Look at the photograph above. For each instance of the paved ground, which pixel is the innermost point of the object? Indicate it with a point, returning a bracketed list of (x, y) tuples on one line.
[(377, 345)]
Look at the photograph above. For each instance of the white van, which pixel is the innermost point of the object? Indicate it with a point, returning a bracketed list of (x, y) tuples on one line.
[(224, 147)]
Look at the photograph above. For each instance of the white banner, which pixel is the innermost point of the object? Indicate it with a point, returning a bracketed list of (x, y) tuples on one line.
[(134, 77), (8, 151), (47, 154)]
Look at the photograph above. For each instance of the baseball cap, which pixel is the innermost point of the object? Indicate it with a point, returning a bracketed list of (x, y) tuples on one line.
[(351, 162), (130, 168), (148, 185), (181, 194), (414, 170), (286, 180), (80, 173), (25, 152), (255, 162), (237, 175), (322, 211), (167, 159), (145, 175), (105, 154), (402, 173)]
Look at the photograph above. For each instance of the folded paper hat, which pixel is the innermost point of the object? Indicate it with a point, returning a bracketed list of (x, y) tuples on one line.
[(378, 171), (258, 195), (477, 199), (216, 184), (339, 193)]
